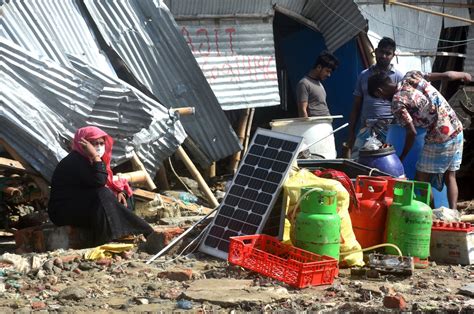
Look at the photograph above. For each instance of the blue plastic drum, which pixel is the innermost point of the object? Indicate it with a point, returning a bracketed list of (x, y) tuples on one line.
[(396, 137), (384, 159)]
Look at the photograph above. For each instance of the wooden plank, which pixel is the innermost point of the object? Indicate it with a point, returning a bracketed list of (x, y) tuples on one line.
[(11, 164), (144, 195)]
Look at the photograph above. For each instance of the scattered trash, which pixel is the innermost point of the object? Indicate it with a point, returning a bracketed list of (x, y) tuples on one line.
[(184, 304), (188, 197), (107, 250), (467, 290), (446, 214), (372, 143), (391, 264)]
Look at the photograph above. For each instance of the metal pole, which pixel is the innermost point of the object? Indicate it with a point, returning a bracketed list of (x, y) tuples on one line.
[(175, 240)]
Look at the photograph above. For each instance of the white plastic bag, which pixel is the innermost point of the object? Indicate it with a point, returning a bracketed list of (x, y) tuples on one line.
[(372, 143)]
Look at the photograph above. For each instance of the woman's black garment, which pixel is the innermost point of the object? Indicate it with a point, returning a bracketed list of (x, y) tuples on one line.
[(80, 198)]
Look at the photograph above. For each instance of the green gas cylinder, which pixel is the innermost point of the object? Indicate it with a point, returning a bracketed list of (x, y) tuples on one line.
[(318, 226), (409, 219)]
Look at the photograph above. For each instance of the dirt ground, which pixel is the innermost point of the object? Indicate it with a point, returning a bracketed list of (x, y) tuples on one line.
[(64, 281)]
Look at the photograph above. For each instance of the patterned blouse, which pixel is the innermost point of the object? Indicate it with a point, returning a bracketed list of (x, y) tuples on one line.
[(418, 102)]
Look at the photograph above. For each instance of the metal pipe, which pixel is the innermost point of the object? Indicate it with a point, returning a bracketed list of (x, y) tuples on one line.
[(175, 240)]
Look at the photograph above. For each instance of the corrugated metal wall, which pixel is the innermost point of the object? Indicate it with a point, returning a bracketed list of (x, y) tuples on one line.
[(237, 57), (233, 42), (412, 30), (338, 21), (45, 102)]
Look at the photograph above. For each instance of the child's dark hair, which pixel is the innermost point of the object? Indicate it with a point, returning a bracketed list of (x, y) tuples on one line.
[(387, 42), (377, 81), (326, 60)]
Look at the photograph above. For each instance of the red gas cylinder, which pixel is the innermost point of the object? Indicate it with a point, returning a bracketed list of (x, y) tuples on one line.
[(368, 222), (389, 191)]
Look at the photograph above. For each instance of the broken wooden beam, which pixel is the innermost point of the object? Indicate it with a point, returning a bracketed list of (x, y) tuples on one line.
[(138, 165), (11, 164), (197, 176), (136, 177)]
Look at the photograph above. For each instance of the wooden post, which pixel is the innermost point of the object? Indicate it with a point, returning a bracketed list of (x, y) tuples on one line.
[(162, 178), (241, 129), (138, 165), (249, 128), (211, 171), (197, 176)]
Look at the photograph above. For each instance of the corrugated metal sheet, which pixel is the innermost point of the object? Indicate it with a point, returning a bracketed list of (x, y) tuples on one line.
[(237, 58), (237, 54), (54, 29), (451, 7), (219, 7), (145, 35), (460, 12), (469, 61), (412, 31), (339, 21), (44, 103)]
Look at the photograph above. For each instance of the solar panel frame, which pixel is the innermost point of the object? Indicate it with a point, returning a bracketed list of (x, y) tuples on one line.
[(254, 190)]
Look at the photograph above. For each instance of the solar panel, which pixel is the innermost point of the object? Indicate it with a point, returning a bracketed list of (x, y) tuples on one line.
[(253, 191)]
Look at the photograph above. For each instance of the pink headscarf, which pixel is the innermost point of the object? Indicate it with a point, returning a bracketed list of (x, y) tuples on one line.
[(92, 133)]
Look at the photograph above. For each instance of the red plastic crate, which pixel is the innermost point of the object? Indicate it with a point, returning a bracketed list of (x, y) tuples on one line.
[(266, 255)]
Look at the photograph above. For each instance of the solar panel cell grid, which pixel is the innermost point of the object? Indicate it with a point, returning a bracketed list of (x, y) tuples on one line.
[(258, 180)]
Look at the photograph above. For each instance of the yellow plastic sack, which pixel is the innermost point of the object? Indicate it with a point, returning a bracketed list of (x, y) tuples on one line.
[(304, 178), (106, 250)]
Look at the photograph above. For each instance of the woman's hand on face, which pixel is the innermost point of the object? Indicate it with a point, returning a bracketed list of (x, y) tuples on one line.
[(122, 199), (89, 149)]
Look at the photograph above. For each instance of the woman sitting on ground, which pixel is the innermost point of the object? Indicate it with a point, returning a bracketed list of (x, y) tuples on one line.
[(84, 194)]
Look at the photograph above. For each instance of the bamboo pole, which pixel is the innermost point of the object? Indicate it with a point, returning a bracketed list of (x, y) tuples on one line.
[(241, 129), (449, 16), (137, 177), (138, 165), (197, 176), (211, 171), (467, 218), (249, 128)]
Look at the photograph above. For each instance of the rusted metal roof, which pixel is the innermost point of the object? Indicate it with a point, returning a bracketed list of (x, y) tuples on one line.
[(45, 102)]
